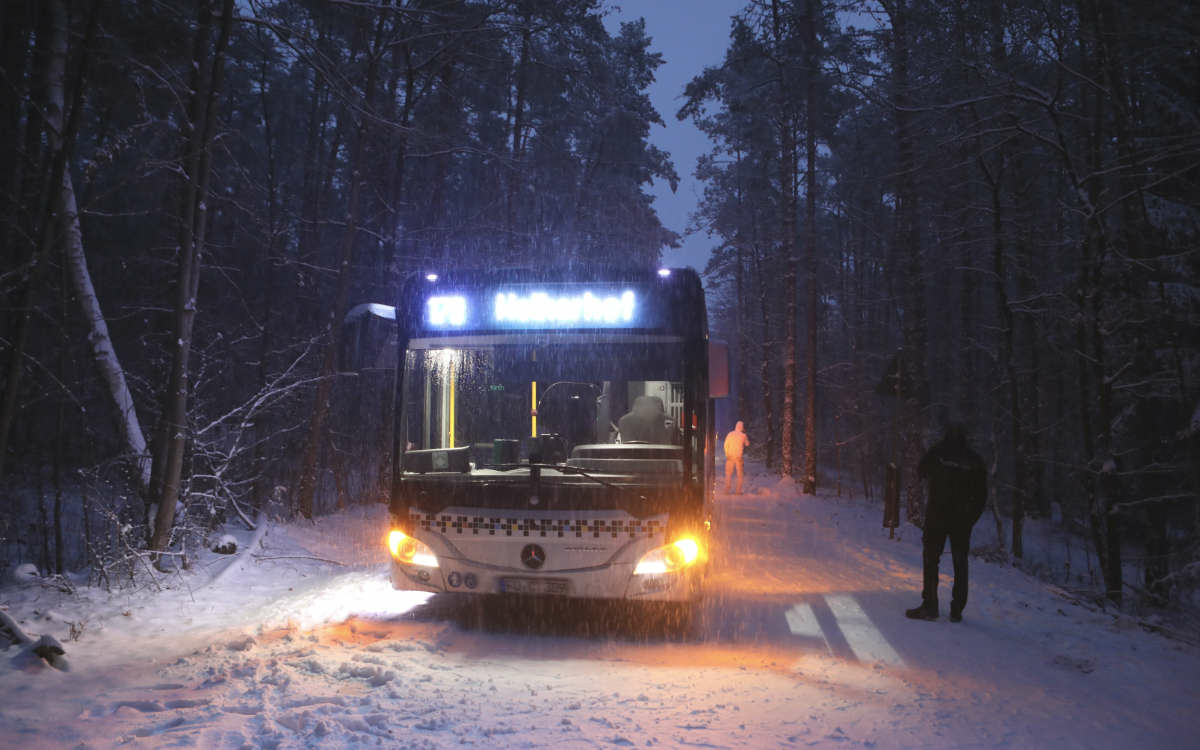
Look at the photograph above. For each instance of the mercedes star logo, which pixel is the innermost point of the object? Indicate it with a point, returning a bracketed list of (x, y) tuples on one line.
[(533, 556)]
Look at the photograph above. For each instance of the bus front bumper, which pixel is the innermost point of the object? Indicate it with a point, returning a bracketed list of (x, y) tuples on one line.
[(615, 581)]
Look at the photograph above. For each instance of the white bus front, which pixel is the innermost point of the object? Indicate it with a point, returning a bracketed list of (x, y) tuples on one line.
[(550, 464)]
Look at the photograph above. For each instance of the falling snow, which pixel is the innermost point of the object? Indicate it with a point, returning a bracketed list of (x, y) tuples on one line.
[(801, 643)]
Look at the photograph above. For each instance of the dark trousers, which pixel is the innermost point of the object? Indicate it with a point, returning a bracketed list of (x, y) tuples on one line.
[(934, 541)]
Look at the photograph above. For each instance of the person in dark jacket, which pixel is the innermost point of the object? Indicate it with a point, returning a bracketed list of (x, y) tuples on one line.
[(957, 493)]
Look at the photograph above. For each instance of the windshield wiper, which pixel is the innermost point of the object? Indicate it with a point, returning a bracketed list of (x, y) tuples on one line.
[(535, 473)]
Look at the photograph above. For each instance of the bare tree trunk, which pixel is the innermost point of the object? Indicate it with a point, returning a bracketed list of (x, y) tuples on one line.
[(59, 439), (516, 172), (45, 523), (810, 200), (403, 67), (315, 180), (332, 333), (739, 332), (908, 242), (193, 223), (1103, 484), (72, 237), (21, 134), (963, 357), (1034, 485), (1008, 367), (787, 189), (60, 129), (263, 426), (21, 77), (765, 363)]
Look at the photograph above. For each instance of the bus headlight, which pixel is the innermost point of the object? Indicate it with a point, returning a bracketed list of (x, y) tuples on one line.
[(670, 558), (407, 550)]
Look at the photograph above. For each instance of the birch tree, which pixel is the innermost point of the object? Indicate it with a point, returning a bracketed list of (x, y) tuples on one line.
[(101, 344)]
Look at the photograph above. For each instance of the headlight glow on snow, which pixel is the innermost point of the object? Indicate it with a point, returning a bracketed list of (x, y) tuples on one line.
[(405, 549), (669, 559)]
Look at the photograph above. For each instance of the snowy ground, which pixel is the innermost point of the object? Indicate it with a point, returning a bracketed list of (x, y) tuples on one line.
[(802, 643)]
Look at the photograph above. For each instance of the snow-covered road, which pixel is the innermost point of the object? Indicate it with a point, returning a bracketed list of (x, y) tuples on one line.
[(802, 642)]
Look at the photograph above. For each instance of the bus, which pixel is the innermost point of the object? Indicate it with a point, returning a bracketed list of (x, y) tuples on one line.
[(554, 434)]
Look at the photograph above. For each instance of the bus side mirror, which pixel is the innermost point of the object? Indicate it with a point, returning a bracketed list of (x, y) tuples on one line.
[(718, 369), (368, 338)]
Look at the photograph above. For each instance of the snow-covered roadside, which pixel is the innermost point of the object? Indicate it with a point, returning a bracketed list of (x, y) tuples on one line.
[(269, 582), (802, 643)]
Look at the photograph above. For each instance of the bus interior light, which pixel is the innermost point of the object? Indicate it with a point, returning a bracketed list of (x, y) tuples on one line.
[(406, 549)]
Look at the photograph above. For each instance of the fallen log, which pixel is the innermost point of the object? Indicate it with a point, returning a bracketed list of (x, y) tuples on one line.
[(46, 648)]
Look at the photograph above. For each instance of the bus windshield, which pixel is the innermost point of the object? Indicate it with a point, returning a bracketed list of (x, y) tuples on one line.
[(580, 400)]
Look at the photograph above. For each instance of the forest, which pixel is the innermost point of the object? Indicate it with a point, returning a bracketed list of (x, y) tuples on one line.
[(985, 212)]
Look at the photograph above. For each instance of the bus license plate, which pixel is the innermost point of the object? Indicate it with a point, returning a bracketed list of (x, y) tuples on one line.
[(554, 586)]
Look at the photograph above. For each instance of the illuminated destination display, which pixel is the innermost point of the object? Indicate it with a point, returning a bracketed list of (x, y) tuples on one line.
[(447, 311), (544, 306), (566, 310), (533, 307)]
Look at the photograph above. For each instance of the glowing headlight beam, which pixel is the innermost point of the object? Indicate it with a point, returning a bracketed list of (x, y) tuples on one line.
[(410, 551), (669, 559)]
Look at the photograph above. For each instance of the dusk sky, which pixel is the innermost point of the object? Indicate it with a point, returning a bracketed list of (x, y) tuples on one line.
[(690, 34)]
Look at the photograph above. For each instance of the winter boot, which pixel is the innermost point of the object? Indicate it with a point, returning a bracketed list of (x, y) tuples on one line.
[(923, 612)]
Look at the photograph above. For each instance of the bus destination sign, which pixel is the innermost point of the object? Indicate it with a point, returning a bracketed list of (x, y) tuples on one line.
[(514, 308)]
